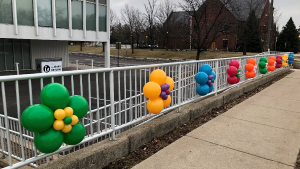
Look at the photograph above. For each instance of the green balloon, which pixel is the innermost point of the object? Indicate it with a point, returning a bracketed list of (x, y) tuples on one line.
[(263, 71), (68, 120), (79, 105), (238, 75), (48, 141), (76, 135), (37, 118), (262, 65), (263, 59), (239, 70), (55, 96)]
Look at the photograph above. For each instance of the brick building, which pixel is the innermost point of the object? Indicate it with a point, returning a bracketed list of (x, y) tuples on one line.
[(230, 25)]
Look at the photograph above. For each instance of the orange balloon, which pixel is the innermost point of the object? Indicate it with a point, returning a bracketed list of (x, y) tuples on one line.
[(158, 76), (250, 74), (271, 68), (249, 67), (167, 102), (151, 90), (271, 62), (272, 58), (252, 61), (170, 81), (155, 106)]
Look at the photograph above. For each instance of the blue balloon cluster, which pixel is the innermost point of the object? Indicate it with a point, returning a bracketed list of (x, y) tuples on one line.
[(205, 78), (291, 59)]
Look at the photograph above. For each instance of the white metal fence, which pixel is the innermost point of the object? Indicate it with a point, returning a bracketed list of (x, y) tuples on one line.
[(116, 101)]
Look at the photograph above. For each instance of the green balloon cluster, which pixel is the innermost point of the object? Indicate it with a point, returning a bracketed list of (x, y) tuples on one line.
[(238, 75), (263, 65), (39, 118)]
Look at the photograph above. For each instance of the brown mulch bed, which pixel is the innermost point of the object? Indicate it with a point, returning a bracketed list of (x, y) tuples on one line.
[(150, 148)]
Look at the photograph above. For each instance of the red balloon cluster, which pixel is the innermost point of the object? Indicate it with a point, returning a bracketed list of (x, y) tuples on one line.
[(233, 72), (251, 68), (271, 62), (278, 61)]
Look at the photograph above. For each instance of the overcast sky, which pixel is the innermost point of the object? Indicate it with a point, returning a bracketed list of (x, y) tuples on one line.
[(287, 8)]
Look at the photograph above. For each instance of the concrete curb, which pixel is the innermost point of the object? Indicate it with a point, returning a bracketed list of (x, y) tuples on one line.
[(101, 154)]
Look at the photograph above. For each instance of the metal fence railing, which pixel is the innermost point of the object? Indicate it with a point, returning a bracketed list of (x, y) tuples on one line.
[(115, 97)]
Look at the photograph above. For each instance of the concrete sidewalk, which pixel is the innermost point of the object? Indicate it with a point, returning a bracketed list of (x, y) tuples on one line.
[(261, 132)]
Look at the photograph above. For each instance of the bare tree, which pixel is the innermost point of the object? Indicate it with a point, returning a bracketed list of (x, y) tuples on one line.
[(138, 25), (165, 9), (151, 16), (209, 21), (128, 14)]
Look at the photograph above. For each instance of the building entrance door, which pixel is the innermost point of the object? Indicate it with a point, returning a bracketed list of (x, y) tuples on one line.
[(12, 51)]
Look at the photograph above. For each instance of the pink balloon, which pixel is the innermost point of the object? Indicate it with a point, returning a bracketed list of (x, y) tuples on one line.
[(232, 79), (232, 71), (234, 63)]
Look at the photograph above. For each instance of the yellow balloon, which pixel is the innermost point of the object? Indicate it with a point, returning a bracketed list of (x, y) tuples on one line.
[(158, 76), (170, 81), (155, 106), (59, 114), (69, 111), (151, 90), (284, 64), (167, 102), (74, 120), (58, 125), (67, 128), (284, 57)]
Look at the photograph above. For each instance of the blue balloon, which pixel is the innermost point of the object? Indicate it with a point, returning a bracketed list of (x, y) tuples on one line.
[(290, 62), (206, 68), (202, 90), (211, 89), (201, 78), (215, 76)]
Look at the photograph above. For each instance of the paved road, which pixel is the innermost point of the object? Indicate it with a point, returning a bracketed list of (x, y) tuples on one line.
[(123, 61)]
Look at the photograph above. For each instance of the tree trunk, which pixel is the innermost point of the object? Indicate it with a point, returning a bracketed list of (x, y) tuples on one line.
[(198, 54), (80, 46), (132, 47), (103, 47), (167, 45), (244, 49)]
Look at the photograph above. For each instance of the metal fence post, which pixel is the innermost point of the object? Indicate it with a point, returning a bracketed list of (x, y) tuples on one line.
[(179, 88), (112, 105), (17, 66), (216, 80), (92, 63)]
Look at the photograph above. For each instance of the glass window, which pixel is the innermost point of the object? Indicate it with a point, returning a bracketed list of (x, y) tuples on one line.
[(62, 20), (18, 52), (77, 19), (26, 54), (6, 12), (25, 12), (102, 2), (2, 56), (44, 13), (9, 55), (90, 16), (102, 18)]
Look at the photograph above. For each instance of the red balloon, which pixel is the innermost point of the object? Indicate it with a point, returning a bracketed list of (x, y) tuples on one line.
[(278, 66), (232, 79), (232, 71), (238, 80), (234, 63), (278, 61), (279, 57)]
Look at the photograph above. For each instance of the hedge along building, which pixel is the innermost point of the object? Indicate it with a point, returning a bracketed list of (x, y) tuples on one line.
[(32, 29)]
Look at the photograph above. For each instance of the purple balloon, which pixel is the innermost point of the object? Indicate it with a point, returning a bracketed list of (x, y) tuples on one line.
[(209, 83), (165, 98), (163, 94), (163, 87), (168, 86), (210, 77)]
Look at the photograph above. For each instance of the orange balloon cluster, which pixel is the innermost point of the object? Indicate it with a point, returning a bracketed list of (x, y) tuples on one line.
[(153, 91), (271, 62), (251, 68)]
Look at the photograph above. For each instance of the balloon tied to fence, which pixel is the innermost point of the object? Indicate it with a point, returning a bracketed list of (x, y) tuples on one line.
[(263, 65), (158, 91), (291, 59), (205, 78), (251, 68), (234, 72), (56, 120)]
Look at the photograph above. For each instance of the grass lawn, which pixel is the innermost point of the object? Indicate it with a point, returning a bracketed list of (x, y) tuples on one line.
[(158, 53)]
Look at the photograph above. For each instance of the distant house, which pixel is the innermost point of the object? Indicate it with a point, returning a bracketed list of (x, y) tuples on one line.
[(233, 17)]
